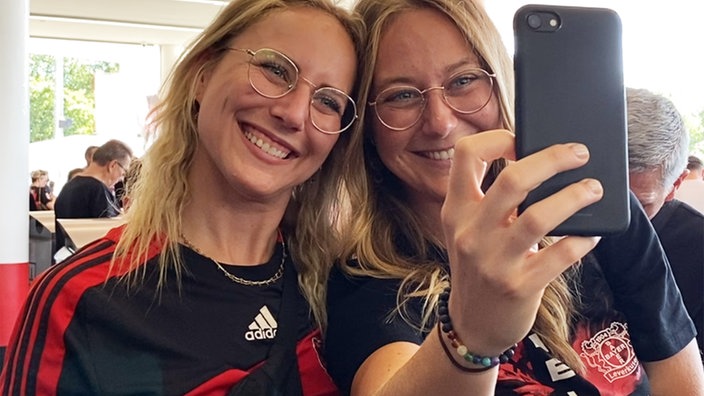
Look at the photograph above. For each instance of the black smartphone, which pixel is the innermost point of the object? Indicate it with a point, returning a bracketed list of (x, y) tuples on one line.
[(569, 88)]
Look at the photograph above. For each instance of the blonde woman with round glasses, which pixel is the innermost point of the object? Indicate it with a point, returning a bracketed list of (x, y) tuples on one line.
[(439, 276), (214, 286)]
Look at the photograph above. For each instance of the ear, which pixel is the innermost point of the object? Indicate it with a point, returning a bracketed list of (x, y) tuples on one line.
[(688, 173), (676, 185), (204, 74), (202, 84)]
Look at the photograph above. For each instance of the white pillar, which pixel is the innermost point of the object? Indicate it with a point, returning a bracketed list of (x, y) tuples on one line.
[(14, 163), (169, 56)]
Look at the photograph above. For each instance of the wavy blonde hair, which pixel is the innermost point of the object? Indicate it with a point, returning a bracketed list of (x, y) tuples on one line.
[(161, 192), (384, 220)]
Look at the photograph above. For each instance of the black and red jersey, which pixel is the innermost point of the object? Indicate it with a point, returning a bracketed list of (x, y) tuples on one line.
[(84, 330)]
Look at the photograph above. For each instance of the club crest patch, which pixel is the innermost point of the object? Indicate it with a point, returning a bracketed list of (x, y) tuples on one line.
[(610, 352)]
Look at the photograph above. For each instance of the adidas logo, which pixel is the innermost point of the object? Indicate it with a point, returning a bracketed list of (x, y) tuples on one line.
[(263, 327)]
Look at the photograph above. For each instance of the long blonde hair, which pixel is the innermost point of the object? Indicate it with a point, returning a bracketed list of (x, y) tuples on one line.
[(162, 190), (383, 221)]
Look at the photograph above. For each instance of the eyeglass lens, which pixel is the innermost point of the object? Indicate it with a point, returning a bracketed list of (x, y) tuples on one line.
[(273, 75), (466, 92)]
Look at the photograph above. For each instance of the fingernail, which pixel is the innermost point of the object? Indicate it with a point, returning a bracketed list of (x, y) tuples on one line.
[(594, 186), (580, 150)]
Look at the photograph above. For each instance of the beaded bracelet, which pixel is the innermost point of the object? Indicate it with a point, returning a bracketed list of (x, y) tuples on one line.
[(445, 326)]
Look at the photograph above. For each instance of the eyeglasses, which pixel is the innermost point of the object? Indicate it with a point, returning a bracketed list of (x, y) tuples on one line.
[(273, 75), (124, 169), (466, 92)]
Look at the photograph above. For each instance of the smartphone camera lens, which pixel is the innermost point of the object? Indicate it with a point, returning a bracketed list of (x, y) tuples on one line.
[(534, 21)]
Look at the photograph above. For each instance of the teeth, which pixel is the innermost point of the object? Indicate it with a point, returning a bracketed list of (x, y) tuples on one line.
[(266, 147), (441, 155)]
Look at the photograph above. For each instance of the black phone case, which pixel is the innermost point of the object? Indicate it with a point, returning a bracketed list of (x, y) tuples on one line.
[(569, 88)]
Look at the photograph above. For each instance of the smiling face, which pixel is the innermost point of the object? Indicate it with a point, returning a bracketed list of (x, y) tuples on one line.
[(263, 147), (423, 48)]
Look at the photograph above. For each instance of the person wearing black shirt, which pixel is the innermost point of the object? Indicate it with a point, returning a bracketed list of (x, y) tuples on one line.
[(90, 194), (432, 211), (658, 144)]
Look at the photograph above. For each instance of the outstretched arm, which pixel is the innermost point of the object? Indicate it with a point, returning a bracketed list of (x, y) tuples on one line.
[(493, 264)]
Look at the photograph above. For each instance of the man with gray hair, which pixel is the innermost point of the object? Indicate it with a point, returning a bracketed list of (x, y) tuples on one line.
[(657, 158), (90, 193)]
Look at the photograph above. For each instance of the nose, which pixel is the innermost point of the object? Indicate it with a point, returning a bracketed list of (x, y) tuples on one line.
[(438, 118), (293, 108)]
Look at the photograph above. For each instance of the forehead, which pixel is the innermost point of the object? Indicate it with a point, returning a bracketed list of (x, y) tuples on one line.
[(315, 40), (422, 41)]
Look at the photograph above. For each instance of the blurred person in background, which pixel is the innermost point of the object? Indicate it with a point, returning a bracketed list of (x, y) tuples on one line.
[(657, 153), (90, 193), (41, 191), (88, 155)]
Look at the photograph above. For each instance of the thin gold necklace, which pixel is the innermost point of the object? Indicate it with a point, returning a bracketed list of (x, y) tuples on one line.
[(237, 279)]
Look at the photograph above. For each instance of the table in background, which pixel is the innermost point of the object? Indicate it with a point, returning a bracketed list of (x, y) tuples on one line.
[(82, 231), (41, 241)]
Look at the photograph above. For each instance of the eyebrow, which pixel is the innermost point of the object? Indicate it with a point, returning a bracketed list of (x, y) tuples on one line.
[(469, 62)]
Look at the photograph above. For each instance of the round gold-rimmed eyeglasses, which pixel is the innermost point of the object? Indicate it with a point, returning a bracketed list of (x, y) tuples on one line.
[(273, 75), (466, 92)]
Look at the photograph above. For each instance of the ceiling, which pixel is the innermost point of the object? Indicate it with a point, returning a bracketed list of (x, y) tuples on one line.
[(157, 22)]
